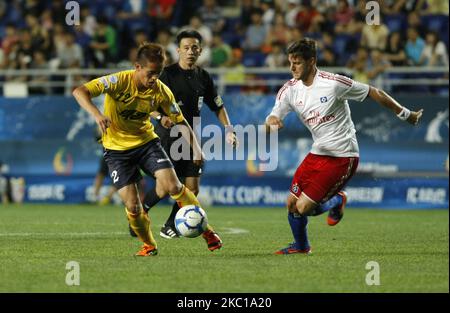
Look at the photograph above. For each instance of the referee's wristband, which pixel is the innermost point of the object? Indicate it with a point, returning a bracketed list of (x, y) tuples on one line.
[(404, 114)]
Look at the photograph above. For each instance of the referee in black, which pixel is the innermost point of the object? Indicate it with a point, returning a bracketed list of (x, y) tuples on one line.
[(192, 87)]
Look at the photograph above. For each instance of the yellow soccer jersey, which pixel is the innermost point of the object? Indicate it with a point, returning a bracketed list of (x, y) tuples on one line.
[(129, 109)]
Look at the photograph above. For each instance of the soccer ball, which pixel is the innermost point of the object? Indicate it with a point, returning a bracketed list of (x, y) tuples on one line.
[(191, 221)]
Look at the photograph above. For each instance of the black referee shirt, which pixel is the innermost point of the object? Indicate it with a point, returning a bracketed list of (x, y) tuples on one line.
[(192, 89)]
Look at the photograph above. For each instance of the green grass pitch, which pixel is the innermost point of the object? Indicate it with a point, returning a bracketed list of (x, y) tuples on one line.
[(37, 241)]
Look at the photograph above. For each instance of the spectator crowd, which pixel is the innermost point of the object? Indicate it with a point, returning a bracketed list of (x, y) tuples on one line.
[(237, 33)]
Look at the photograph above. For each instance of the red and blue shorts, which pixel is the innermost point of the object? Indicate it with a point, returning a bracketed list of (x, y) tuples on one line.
[(320, 177)]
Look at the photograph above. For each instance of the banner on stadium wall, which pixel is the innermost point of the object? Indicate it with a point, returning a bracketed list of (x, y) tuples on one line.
[(364, 192), (52, 135), (399, 193)]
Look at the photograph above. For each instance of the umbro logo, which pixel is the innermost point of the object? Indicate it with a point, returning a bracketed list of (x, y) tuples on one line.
[(323, 99)]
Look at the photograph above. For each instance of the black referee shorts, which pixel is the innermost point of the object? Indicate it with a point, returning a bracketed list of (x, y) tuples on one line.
[(124, 165), (183, 168), (187, 168)]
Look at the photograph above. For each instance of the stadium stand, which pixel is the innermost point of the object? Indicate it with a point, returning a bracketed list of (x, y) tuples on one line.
[(34, 36)]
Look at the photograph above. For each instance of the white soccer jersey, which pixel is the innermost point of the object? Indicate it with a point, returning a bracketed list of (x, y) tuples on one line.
[(323, 108)]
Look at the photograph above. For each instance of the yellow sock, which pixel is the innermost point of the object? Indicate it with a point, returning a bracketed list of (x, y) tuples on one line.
[(186, 197), (208, 228), (140, 223)]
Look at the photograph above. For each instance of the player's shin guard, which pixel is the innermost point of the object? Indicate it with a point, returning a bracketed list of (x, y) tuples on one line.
[(299, 230), (333, 202), (140, 223)]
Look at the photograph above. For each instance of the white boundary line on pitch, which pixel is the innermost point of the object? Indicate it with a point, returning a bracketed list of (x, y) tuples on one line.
[(234, 231)]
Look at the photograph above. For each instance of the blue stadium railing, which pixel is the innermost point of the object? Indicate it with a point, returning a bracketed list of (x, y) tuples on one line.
[(433, 80)]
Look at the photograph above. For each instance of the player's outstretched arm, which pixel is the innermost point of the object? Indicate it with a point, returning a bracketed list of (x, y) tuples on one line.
[(83, 97), (273, 123), (403, 113)]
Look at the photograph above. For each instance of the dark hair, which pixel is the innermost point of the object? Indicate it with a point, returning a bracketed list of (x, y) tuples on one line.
[(140, 31), (304, 48), (189, 34), (435, 34), (150, 52), (102, 20)]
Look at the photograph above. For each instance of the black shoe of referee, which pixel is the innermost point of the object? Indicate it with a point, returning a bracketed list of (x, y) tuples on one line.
[(168, 232)]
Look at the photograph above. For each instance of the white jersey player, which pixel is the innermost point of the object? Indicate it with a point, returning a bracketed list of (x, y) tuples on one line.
[(320, 101), (323, 108)]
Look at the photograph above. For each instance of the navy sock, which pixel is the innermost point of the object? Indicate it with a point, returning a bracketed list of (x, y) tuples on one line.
[(326, 206), (171, 219), (151, 198), (299, 229)]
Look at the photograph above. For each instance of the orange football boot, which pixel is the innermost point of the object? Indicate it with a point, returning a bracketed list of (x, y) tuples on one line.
[(212, 239), (147, 250)]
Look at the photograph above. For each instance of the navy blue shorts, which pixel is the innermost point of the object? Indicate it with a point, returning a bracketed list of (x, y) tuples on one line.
[(124, 166), (103, 167)]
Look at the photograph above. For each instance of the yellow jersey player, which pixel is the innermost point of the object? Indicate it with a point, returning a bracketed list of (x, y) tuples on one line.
[(130, 143)]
